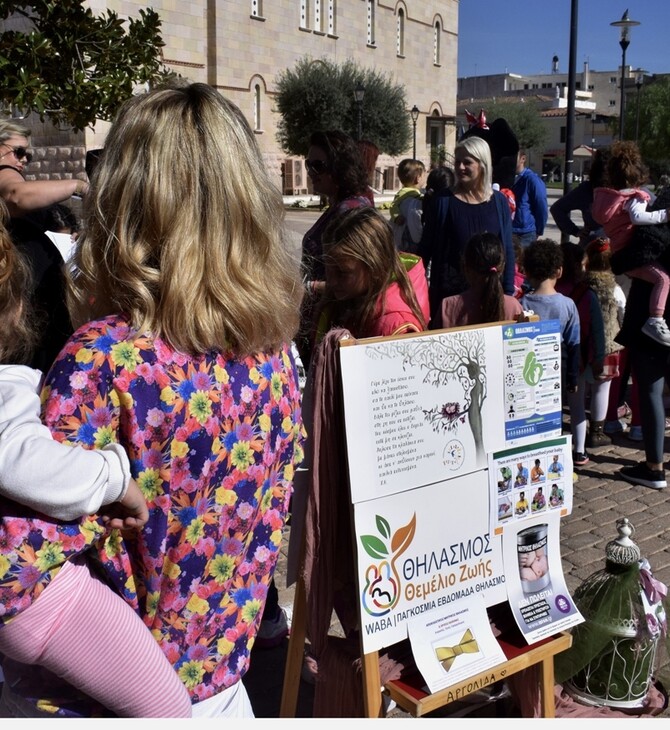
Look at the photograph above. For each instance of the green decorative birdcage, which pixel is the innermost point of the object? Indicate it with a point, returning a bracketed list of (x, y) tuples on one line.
[(612, 659)]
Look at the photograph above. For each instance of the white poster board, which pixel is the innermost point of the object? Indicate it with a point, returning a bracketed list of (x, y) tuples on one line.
[(421, 409), (421, 551)]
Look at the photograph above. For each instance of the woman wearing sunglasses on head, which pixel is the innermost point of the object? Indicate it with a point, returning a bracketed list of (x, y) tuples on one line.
[(337, 171), (23, 196)]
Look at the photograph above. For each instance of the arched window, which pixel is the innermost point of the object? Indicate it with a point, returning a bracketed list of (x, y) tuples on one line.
[(257, 108), (436, 43), (371, 22), (400, 40), (256, 8)]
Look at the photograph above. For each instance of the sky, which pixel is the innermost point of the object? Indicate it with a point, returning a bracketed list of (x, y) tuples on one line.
[(498, 36)]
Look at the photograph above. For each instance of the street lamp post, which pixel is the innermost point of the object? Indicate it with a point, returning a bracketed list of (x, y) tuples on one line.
[(593, 130), (359, 95), (625, 24), (414, 113), (572, 85), (639, 81)]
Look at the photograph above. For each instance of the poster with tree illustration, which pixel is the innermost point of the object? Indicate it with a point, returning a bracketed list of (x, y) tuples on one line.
[(421, 409)]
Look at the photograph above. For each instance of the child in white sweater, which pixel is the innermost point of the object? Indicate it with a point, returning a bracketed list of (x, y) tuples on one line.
[(77, 627)]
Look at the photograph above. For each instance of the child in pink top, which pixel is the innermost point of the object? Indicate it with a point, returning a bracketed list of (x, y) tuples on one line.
[(621, 207), (484, 301)]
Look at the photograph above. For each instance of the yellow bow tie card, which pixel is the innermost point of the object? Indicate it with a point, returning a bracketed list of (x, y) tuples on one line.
[(447, 654), (454, 642)]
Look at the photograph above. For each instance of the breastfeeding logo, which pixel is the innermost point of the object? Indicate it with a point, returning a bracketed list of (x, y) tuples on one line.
[(381, 591)]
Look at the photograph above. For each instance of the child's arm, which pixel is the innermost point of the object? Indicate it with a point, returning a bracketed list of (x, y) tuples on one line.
[(58, 480), (640, 216)]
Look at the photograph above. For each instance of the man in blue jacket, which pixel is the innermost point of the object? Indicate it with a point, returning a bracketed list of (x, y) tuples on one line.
[(532, 210)]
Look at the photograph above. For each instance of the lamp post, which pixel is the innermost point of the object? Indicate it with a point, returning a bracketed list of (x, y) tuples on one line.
[(625, 24), (414, 113), (572, 85), (359, 95), (639, 81), (593, 131)]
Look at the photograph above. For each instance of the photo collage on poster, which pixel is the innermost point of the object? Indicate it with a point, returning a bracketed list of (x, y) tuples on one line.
[(531, 480)]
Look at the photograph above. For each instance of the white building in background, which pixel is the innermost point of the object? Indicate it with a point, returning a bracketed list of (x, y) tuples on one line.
[(597, 106), (240, 47)]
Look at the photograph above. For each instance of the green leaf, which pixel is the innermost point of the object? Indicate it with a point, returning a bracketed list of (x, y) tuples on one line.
[(374, 547), (383, 527)]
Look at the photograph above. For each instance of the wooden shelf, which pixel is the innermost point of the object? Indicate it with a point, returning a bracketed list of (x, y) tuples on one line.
[(410, 696)]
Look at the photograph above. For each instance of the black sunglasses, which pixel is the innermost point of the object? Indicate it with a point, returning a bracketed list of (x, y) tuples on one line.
[(317, 166), (21, 153)]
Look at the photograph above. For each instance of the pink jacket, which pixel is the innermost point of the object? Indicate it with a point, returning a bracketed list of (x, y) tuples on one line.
[(608, 210), (395, 316)]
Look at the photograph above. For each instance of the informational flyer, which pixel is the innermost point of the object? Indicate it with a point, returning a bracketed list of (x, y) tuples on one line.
[(424, 550), (536, 589), (421, 409), (453, 644), (532, 381), (526, 481)]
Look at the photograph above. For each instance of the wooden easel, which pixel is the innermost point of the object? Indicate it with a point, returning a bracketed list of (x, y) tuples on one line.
[(408, 692)]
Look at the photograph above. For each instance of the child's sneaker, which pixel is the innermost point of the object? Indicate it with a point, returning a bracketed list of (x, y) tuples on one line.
[(580, 458), (657, 329), (635, 433)]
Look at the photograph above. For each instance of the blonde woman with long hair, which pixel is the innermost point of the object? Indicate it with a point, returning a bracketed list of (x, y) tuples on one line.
[(187, 297), (469, 207)]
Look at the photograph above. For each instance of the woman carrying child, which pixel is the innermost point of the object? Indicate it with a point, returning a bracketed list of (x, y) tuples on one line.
[(621, 207), (182, 356), (485, 300), (54, 609)]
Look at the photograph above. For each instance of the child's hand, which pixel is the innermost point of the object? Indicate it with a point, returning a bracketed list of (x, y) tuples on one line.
[(128, 513)]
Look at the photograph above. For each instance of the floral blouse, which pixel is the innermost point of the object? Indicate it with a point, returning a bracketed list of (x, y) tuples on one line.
[(213, 442)]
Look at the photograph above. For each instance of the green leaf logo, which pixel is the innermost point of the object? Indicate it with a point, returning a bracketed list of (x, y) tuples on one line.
[(532, 369), (374, 547)]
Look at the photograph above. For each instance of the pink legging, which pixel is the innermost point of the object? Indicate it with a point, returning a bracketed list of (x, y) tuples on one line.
[(657, 276), (81, 630)]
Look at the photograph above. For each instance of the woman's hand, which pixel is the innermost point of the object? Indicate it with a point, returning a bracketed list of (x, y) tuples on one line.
[(130, 512)]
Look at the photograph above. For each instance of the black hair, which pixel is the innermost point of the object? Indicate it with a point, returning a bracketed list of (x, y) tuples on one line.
[(59, 216), (440, 178), (484, 260), (345, 162), (542, 260)]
